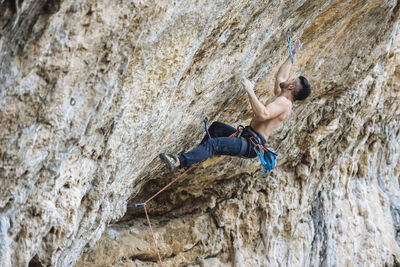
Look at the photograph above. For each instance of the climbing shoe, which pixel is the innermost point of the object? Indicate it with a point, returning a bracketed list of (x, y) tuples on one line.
[(171, 160)]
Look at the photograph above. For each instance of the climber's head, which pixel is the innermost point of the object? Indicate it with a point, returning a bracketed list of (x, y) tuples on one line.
[(299, 87)]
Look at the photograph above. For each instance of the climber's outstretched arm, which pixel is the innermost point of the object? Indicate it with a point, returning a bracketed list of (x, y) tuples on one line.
[(283, 73)]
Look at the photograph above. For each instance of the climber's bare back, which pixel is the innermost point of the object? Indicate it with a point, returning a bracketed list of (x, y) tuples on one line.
[(277, 104)]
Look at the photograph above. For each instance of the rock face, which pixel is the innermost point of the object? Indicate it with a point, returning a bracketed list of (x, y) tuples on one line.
[(92, 91)]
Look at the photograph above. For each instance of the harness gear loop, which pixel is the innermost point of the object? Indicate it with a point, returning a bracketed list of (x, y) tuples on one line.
[(239, 131)]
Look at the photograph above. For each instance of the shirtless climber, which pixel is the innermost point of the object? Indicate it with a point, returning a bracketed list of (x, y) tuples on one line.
[(266, 119)]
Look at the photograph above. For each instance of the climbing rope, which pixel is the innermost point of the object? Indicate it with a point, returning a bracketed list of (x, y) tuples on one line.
[(138, 205), (290, 45), (152, 233)]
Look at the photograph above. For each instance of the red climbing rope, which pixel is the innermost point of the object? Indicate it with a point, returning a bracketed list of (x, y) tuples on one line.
[(173, 181), (154, 239), (156, 194)]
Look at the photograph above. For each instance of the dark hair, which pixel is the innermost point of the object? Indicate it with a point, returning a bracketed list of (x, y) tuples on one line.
[(303, 91)]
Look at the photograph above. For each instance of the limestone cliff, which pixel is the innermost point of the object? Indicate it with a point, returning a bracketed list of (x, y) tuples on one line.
[(92, 91)]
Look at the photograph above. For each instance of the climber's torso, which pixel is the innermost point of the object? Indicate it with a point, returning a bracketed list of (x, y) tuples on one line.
[(266, 127)]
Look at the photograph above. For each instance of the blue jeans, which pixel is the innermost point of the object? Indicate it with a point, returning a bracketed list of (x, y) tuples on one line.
[(219, 144)]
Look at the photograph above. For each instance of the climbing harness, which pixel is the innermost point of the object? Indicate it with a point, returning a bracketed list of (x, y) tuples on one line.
[(290, 45), (267, 155), (239, 131)]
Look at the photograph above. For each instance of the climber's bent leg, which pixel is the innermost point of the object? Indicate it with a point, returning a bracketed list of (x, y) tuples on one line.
[(230, 146), (219, 129)]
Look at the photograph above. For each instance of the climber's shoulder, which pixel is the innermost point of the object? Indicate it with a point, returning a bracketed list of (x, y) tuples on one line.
[(283, 102)]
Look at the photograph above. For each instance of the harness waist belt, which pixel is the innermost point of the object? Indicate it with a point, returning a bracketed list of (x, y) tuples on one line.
[(253, 133)]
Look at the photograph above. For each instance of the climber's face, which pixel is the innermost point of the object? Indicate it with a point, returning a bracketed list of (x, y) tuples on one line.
[(289, 84)]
